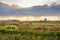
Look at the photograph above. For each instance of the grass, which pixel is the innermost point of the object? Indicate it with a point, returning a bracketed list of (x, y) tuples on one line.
[(28, 31)]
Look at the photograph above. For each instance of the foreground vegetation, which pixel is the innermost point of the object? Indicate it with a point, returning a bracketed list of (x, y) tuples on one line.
[(28, 35), (37, 30)]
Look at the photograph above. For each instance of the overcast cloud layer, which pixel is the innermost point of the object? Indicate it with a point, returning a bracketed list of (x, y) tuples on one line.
[(29, 3)]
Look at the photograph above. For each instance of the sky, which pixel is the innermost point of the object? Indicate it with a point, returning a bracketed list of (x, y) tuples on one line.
[(29, 3)]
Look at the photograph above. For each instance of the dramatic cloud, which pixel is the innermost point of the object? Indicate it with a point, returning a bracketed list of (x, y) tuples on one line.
[(29, 3)]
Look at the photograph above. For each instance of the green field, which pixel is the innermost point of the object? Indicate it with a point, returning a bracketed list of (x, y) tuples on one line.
[(30, 30)]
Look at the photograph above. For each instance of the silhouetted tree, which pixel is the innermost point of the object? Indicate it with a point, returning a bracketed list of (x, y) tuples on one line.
[(45, 20)]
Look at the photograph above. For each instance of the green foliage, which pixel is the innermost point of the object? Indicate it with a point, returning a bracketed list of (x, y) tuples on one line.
[(29, 35), (24, 31)]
